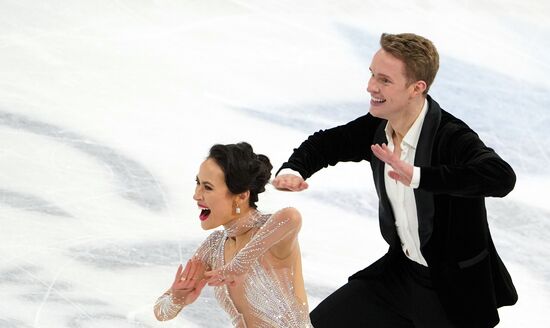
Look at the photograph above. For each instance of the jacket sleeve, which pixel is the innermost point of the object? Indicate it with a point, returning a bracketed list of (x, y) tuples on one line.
[(344, 143), (468, 167)]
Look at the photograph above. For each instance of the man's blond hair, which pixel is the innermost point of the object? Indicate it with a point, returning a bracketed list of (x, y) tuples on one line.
[(418, 53)]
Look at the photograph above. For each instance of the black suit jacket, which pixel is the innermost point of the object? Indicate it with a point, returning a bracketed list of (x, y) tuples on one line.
[(457, 172)]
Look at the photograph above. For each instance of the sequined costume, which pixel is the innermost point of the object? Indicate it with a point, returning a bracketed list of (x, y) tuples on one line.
[(272, 293)]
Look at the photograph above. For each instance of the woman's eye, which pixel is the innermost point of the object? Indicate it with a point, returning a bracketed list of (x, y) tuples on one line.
[(207, 187)]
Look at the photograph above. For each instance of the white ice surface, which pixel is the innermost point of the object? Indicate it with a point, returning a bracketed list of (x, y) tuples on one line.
[(108, 107)]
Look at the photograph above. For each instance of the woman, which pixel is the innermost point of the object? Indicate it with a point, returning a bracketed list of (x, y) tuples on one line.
[(254, 263)]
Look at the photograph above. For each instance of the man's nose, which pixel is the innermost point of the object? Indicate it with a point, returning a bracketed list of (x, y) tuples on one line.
[(371, 86)]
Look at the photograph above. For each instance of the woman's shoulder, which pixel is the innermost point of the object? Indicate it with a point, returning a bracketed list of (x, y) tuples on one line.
[(286, 213), (283, 211)]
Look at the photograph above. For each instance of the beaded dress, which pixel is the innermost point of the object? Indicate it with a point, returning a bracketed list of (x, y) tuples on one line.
[(267, 297)]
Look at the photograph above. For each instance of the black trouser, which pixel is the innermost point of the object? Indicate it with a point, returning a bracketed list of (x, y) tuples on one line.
[(401, 297)]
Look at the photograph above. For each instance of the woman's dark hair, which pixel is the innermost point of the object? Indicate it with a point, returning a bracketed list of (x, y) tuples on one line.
[(243, 169)]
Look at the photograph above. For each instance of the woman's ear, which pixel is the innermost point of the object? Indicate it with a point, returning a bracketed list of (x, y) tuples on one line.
[(244, 196), (240, 200)]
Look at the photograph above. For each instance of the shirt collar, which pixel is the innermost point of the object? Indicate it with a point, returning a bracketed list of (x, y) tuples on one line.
[(412, 136)]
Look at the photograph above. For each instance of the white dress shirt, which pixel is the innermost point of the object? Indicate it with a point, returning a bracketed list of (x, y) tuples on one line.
[(401, 197)]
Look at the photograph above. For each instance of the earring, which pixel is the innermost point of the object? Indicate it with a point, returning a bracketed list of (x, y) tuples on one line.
[(238, 210)]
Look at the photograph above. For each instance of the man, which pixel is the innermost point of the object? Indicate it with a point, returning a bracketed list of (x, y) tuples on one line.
[(432, 174)]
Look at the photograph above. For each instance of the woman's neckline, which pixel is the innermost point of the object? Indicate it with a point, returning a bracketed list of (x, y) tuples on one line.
[(243, 224)]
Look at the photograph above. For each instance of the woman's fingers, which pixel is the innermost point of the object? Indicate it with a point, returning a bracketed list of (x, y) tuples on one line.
[(214, 278), (194, 294), (180, 279), (200, 285), (186, 270), (216, 283), (178, 273), (192, 269), (199, 271)]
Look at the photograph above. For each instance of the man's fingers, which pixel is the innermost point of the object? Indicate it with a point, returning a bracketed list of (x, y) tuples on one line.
[(383, 153), (378, 152), (280, 182), (276, 182), (289, 182), (394, 175)]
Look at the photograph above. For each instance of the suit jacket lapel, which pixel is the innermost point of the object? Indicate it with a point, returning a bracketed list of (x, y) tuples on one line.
[(423, 157), (387, 220)]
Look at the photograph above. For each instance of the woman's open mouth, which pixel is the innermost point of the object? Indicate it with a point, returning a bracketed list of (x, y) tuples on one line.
[(205, 212)]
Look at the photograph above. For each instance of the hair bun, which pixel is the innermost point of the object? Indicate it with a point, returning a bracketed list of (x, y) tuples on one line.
[(264, 173), (243, 169)]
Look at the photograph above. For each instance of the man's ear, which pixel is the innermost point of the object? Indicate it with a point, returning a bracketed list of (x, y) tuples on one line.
[(419, 87)]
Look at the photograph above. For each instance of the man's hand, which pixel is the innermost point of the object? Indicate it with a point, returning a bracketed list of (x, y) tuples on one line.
[(289, 182), (401, 170)]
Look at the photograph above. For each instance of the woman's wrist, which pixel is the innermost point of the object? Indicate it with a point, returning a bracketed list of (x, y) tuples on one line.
[(168, 306), (178, 300)]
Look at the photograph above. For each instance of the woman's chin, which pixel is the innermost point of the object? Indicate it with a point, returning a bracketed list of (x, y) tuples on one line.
[(208, 225), (205, 225)]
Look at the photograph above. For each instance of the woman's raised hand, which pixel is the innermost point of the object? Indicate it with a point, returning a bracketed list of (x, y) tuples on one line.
[(188, 282)]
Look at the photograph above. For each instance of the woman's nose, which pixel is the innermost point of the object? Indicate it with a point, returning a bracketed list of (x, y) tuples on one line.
[(198, 194)]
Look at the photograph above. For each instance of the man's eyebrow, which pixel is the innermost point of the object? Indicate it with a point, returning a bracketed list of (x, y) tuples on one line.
[(384, 75), (370, 69)]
